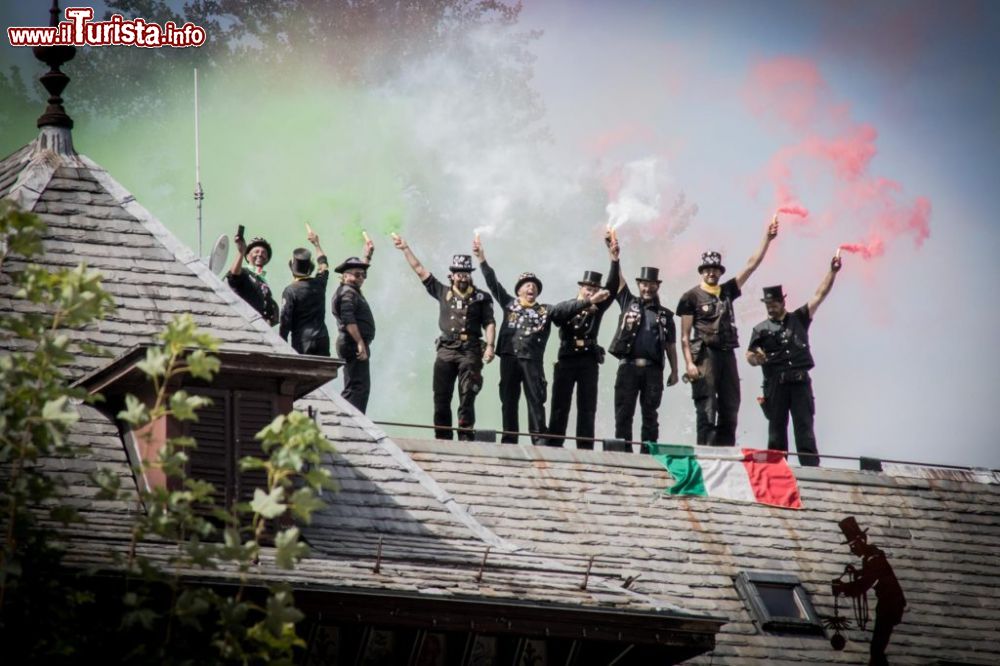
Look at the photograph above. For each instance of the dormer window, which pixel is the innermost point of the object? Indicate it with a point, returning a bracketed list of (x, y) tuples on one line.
[(250, 389), (778, 602)]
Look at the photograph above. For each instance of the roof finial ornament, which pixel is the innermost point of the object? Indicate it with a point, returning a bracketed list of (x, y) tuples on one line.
[(54, 80)]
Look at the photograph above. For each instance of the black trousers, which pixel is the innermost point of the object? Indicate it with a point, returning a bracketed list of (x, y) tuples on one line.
[(886, 620), (314, 346), (717, 397), (581, 372), (795, 399), (516, 373), (357, 374), (465, 366), (646, 385)]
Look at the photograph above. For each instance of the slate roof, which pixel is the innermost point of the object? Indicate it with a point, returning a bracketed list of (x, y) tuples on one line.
[(543, 513)]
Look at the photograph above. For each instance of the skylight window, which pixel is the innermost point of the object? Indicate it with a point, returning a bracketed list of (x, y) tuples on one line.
[(778, 602)]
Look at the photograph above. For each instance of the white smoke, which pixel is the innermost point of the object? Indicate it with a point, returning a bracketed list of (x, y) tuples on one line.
[(639, 198)]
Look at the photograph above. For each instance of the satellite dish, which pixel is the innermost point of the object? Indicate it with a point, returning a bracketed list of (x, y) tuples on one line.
[(220, 253)]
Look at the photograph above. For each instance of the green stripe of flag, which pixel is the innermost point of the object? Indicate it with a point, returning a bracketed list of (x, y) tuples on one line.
[(680, 461)]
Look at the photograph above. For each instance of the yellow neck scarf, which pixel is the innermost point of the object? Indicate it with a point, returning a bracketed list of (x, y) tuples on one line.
[(462, 294), (715, 291), (526, 304)]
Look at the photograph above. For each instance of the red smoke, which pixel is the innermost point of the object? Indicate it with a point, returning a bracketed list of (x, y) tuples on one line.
[(793, 93), (874, 248), (794, 210)]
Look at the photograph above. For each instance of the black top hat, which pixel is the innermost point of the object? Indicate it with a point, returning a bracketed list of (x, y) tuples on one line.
[(257, 241), (773, 294), (852, 531), (461, 263), (349, 263), (649, 274), (527, 277), (591, 279), (301, 263), (711, 259)]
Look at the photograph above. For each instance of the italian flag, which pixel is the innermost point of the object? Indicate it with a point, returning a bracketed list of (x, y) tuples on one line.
[(750, 475)]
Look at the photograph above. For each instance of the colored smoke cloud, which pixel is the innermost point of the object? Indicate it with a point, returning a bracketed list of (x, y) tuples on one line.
[(636, 193), (798, 211), (638, 197), (793, 94)]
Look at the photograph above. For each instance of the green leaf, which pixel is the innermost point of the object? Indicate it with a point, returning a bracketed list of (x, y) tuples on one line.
[(288, 548), (108, 482), (281, 613), (60, 412), (269, 505), (135, 412), (201, 365), (251, 463), (192, 604), (155, 364), (183, 405), (319, 478), (231, 537), (304, 502)]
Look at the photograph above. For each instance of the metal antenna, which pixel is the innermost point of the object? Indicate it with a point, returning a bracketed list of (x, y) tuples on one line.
[(199, 194)]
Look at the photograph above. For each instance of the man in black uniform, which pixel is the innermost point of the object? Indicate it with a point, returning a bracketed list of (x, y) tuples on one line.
[(645, 335), (579, 358), (357, 328), (709, 340), (251, 285), (523, 334), (464, 314), (875, 570), (780, 345), (303, 303)]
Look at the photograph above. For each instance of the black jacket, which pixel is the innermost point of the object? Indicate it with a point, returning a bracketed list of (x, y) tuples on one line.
[(525, 329), (461, 320), (632, 318), (578, 333), (303, 312), (255, 291), (351, 307)]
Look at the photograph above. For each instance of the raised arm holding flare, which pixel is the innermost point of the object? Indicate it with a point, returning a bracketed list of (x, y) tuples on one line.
[(757, 257), (709, 340), (644, 339), (579, 359), (780, 345), (524, 332), (303, 302), (464, 314)]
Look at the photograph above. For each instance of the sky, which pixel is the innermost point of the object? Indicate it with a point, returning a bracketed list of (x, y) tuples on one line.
[(686, 124)]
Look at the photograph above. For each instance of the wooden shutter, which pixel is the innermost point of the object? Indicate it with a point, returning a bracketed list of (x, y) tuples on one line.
[(212, 459), (253, 410)]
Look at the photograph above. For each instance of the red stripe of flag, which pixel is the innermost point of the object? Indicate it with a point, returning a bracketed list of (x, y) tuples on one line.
[(771, 478)]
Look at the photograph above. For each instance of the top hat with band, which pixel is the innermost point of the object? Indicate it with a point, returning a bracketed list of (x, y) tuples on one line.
[(772, 294), (711, 259), (852, 531), (461, 263), (649, 274), (301, 263), (591, 279)]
